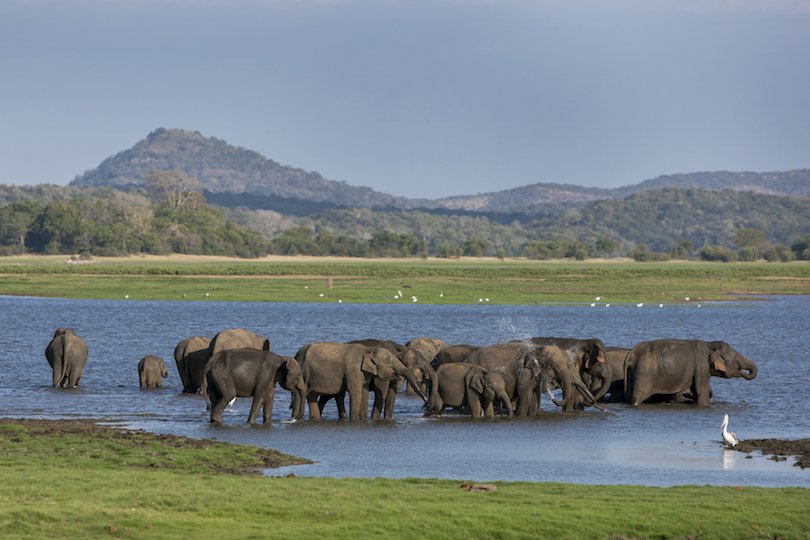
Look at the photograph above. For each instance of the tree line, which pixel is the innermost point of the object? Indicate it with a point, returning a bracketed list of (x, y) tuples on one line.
[(169, 214)]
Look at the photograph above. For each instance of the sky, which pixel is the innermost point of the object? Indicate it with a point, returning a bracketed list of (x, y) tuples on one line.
[(418, 98)]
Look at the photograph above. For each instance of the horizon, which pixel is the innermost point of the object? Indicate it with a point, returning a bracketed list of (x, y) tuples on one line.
[(415, 99)]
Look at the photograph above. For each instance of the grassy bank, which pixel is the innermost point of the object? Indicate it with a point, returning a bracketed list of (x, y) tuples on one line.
[(71, 479), (379, 281)]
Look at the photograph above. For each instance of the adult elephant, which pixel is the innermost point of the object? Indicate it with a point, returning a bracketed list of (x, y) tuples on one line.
[(237, 338), (251, 372), (584, 356), (418, 365), (678, 366), (151, 371), (608, 378), (67, 354), (452, 353), (332, 369), (190, 355), (461, 384), (526, 368)]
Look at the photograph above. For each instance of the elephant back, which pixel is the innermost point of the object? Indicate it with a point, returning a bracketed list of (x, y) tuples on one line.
[(237, 338)]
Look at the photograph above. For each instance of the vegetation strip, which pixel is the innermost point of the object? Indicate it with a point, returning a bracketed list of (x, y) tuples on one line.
[(72, 479), (450, 282)]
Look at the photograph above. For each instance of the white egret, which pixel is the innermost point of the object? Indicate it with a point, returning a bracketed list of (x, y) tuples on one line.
[(640, 304), (730, 439)]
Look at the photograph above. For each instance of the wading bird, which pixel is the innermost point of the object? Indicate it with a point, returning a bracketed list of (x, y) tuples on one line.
[(730, 439)]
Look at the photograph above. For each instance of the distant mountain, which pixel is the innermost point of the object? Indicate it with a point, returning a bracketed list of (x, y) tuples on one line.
[(795, 182), (222, 167), (225, 169)]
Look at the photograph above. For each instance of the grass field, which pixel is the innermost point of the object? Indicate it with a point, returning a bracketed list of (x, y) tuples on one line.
[(75, 480), (305, 279)]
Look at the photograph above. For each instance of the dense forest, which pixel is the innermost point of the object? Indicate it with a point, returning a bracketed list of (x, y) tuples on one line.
[(180, 192)]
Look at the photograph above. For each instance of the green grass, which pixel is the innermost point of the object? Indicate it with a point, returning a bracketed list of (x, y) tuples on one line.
[(99, 483), (431, 281)]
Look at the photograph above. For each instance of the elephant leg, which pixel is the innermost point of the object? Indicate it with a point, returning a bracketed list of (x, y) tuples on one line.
[(489, 409), (258, 399), (217, 403), (267, 412), (475, 405), (314, 408), (391, 398)]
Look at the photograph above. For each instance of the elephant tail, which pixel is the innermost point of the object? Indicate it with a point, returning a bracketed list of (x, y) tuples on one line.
[(60, 364)]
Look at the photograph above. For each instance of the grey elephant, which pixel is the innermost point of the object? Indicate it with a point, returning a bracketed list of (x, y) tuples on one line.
[(608, 378), (190, 355), (67, 355), (331, 369), (250, 372), (237, 338), (418, 365), (527, 368), (452, 353), (461, 384), (151, 371), (428, 348), (585, 356), (676, 366)]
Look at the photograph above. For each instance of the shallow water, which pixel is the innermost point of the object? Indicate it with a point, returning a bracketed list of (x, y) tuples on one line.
[(652, 445)]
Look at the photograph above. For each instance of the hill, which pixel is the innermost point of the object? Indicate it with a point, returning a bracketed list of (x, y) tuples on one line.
[(224, 168)]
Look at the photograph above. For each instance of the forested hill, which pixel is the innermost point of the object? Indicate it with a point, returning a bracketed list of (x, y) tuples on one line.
[(221, 167), (224, 168)]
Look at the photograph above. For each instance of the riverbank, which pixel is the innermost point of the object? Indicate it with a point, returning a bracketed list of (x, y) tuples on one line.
[(77, 479), (434, 281)]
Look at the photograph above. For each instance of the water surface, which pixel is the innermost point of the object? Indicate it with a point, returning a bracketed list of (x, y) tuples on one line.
[(652, 445)]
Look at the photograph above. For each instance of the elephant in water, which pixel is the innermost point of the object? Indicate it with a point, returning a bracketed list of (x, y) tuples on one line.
[(452, 353), (251, 372), (190, 355), (677, 366), (459, 384), (414, 360), (151, 371), (67, 355), (527, 368), (608, 378), (331, 369)]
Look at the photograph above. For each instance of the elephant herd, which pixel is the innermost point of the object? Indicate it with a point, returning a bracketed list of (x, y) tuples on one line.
[(503, 379)]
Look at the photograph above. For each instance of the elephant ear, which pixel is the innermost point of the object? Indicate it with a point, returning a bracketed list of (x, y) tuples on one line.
[(476, 382), (368, 364), (717, 362)]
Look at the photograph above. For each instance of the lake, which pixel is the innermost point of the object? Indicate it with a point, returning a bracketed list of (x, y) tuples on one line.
[(652, 445)]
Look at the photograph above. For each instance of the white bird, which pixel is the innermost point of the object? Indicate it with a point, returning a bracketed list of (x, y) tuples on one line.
[(729, 438), (206, 295), (593, 304), (640, 304), (660, 305), (126, 296), (598, 298), (607, 305)]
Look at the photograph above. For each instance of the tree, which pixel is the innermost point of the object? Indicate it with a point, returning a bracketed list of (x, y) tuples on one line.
[(174, 188)]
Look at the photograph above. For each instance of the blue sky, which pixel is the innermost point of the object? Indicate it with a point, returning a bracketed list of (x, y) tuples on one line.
[(416, 98)]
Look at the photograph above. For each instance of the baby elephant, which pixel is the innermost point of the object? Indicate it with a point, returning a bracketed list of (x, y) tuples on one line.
[(151, 371), (462, 384)]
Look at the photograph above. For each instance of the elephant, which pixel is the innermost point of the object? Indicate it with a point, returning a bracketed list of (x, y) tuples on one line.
[(237, 338), (459, 384), (67, 354), (611, 371), (427, 347), (332, 369), (585, 356), (413, 360), (190, 355), (526, 368), (151, 371), (681, 367), (452, 353), (251, 372)]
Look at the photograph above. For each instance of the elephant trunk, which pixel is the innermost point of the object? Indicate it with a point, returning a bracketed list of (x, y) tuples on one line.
[(606, 382), (299, 394), (504, 397), (750, 367), (415, 384)]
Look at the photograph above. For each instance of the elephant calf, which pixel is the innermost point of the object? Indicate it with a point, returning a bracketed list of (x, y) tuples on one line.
[(151, 371), (460, 384)]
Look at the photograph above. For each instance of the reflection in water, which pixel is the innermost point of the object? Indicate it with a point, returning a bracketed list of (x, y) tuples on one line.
[(655, 444)]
